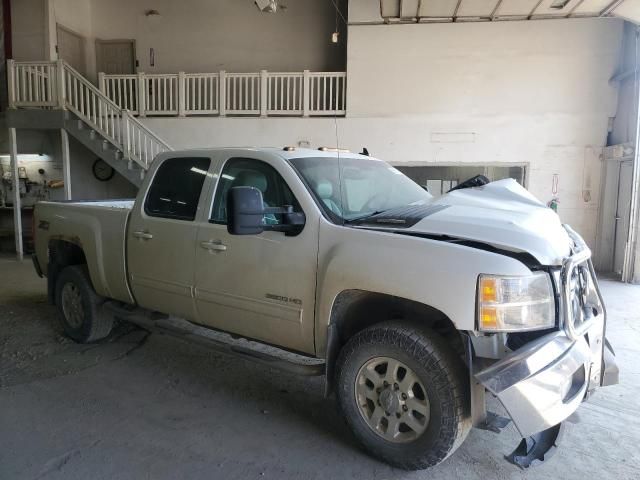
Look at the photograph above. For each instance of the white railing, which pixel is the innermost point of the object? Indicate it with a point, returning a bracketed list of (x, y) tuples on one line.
[(327, 93), (242, 93), (33, 84), (123, 91), (222, 93), (201, 93), (58, 85), (161, 94), (285, 94)]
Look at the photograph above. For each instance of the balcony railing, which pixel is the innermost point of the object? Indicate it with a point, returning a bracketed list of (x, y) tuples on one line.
[(240, 94)]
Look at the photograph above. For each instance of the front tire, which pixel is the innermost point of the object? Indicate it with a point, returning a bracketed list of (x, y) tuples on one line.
[(79, 306), (403, 393)]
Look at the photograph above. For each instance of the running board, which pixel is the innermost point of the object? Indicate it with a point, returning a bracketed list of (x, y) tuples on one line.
[(220, 341)]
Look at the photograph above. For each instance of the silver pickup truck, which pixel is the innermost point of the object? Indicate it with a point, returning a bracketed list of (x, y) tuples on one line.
[(329, 263)]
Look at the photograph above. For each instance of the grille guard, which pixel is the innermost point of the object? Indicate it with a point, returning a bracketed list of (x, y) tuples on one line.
[(581, 255)]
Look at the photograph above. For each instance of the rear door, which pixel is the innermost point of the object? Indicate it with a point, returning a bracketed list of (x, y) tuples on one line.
[(259, 286), (162, 233)]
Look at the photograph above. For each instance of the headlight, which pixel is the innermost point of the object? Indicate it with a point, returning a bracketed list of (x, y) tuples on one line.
[(509, 304)]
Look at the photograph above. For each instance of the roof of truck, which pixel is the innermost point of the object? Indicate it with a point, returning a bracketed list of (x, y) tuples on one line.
[(284, 152)]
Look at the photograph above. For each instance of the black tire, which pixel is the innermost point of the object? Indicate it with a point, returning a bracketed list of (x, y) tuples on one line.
[(445, 380), (91, 324)]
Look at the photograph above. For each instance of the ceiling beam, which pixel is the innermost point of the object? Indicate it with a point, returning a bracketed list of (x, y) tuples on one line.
[(578, 3), (495, 10), (455, 12), (610, 8), (533, 10)]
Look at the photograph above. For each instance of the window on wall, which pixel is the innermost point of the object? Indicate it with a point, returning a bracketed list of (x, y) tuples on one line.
[(246, 172), (175, 190), (439, 179)]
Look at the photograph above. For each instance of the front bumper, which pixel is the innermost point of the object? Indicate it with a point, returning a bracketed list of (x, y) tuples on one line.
[(544, 382)]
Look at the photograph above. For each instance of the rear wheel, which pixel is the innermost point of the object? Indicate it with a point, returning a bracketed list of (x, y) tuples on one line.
[(403, 393), (79, 306)]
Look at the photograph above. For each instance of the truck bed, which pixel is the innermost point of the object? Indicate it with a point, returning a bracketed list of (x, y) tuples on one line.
[(97, 227)]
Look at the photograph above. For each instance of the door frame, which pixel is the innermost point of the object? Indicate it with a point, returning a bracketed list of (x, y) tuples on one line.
[(60, 26), (604, 258), (132, 41)]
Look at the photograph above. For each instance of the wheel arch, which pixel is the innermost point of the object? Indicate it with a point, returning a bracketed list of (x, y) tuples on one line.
[(355, 310), (62, 253)]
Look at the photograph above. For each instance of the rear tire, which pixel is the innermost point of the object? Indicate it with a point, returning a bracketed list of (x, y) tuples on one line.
[(79, 306), (404, 394)]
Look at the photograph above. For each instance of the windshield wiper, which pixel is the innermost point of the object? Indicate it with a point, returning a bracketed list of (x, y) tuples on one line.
[(364, 217)]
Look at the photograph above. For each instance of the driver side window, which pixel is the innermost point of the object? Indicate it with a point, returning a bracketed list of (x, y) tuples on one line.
[(246, 172)]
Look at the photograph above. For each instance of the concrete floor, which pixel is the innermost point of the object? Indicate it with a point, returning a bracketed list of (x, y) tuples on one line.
[(154, 407)]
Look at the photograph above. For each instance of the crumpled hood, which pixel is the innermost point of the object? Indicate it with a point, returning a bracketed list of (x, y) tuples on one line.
[(502, 214)]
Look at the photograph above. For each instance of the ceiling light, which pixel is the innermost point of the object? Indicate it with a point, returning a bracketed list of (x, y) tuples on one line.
[(559, 4), (267, 6)]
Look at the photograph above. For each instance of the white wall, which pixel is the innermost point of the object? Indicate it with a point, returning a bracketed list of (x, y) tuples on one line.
[(189, 35), (232, 35), (516, 92), (535, 92)]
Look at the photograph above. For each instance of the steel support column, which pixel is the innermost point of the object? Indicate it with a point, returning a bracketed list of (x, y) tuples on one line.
[(15, 182), (629, 262), (66, 163)]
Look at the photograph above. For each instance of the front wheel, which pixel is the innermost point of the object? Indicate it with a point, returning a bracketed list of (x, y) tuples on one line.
[(403, 393)]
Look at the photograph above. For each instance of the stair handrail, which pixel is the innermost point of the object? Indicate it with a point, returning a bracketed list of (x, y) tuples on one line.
[(89, 85), (148, 131), (123, 135), (110, 102)]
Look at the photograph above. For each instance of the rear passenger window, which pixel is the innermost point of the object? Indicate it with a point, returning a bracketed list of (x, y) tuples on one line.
[(176, 188)]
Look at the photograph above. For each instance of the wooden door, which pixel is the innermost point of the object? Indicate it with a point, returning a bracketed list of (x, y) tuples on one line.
[(71, 48), (115, 56)]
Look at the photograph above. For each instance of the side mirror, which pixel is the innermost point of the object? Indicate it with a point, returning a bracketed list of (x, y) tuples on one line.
[(245, 210), (245, 214)]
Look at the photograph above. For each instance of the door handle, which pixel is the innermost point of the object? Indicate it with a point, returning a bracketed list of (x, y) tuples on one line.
[(210, 245), (143, 235)]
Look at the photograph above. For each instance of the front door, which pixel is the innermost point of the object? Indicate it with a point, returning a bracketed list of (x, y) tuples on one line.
[(258, 286), (71, 48), (161, 237)]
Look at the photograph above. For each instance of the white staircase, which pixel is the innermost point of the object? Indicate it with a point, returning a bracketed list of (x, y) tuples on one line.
[(111, 132)]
